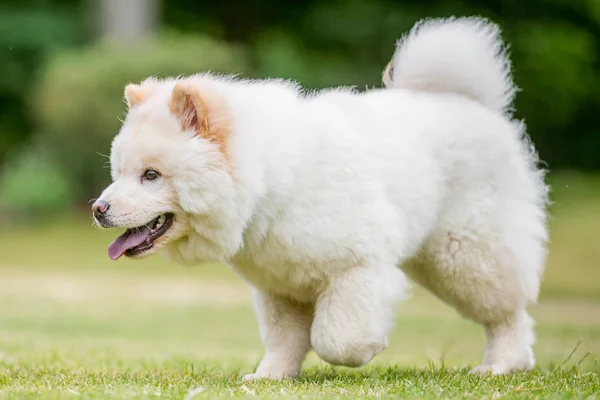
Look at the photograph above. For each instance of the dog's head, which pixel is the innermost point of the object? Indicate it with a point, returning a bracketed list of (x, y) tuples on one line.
[(168, 163)]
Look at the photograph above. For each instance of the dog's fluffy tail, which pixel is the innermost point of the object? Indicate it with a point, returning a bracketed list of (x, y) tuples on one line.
[(457, 55)]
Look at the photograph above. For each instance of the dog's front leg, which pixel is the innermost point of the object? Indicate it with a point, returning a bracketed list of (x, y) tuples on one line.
[(354, 314), (285, 332)]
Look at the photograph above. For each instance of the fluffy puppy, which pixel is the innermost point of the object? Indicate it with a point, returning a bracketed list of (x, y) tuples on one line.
[(326, 202)]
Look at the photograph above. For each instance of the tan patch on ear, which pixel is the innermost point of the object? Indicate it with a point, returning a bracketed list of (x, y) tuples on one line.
[(134, 95), (201, 111), (187, 104)]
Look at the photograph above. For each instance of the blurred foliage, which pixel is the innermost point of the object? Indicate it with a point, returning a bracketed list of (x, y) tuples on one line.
[(34, 186), (78, 104), (28, 36), (62, 93)]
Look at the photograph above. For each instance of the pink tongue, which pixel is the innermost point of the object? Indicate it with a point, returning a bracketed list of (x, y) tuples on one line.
[(130, 239)]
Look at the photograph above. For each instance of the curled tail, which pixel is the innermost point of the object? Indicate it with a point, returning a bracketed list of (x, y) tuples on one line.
[(456, 55)]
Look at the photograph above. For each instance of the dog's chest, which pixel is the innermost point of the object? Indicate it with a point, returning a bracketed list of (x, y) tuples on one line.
[(290, 258), (301, 282)]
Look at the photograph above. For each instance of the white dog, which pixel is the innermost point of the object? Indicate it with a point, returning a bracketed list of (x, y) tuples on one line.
[(325, 202)]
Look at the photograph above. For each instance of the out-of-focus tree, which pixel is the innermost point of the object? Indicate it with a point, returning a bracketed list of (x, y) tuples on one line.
[(130, 20)]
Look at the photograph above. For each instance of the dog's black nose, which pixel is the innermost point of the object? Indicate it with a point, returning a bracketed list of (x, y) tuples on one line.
[(99, 208)]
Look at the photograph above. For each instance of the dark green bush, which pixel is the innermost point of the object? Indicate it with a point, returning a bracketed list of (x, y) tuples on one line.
[(79, 101)]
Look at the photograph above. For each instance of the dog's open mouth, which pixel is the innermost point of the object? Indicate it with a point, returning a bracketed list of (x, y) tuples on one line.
[(138, 240)]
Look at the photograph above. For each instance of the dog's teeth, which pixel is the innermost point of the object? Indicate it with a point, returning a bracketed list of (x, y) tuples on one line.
[(158, 223)]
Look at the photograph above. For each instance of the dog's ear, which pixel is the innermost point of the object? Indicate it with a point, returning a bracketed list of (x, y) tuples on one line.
[(201, 111), (187, 104), (134, 95)]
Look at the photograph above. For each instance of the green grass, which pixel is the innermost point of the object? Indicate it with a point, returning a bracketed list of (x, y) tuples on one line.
[(73, 324), (176, 382), (110, 334)]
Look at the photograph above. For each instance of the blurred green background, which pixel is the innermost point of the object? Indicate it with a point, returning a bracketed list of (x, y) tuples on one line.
[(63, 66)]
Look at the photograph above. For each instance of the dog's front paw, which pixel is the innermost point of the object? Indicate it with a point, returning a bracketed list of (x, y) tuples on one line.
[(275, 366), (352, 355), (252, 377), (489, 370), (258, 376)]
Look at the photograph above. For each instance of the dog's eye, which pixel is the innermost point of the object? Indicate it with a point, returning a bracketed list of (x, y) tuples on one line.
[(150, 175)]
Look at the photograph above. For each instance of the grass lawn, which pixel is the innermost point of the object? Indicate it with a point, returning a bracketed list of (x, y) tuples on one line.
[(73, 324)]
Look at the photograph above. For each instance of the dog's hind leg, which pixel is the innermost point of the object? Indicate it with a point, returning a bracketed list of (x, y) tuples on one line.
[(490, 283), (509, 345)]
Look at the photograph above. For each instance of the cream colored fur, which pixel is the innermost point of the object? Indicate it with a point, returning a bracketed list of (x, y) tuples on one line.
[(325, 202)]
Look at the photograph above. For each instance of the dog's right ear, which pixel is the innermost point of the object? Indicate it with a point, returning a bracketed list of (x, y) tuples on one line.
[(134, 95)]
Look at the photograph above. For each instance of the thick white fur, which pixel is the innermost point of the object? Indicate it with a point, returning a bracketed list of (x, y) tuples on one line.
[(462, 55), (325, 202)]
